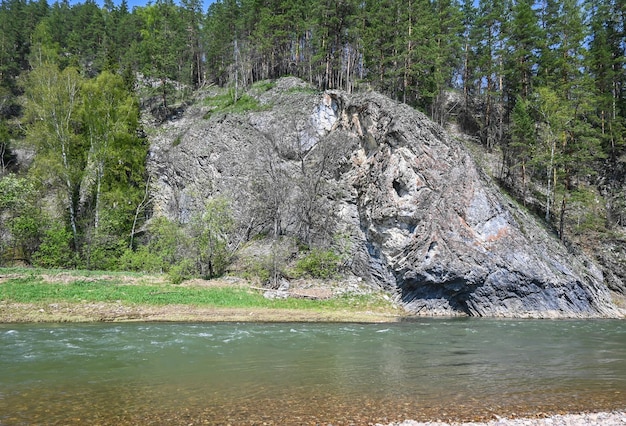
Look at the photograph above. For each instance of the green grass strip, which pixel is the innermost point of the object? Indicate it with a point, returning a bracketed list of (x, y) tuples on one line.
[(35, 290)]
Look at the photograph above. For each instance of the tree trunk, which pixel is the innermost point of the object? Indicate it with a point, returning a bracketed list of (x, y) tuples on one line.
[(562, 219)]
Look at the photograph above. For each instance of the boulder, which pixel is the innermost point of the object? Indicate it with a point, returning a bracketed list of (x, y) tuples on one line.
[(419, 217)]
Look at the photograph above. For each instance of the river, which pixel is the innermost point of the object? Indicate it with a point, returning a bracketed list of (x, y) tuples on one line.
[(303, 373)]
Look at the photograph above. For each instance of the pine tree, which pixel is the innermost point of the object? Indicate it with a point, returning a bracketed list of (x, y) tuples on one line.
[(448, 29), (222, 28), (468, 68), (162, 42), (561, 61), (192, 16), (523, 47), (605, 62), (85, 41), (490, 63), (333, 35), (415, 52), (18, 20), (272, 37), (379, 29)]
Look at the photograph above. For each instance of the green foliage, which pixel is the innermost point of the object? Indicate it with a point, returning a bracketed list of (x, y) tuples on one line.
[(524, 43), (167, 243), (52, 112), (15, 194), (114, 170), (140, 260), (263, 86), (319, 263), (200, 248), (55, 250), (5, 144), (103, 252), (258, 269), (585, 211), (542, 82), (226, 103), (84, 134), (26, 232), (165, 251), (182, 271), (21, 223), (162, 40), (209, 233)]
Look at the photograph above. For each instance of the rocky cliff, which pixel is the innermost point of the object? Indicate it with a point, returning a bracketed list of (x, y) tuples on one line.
[(420, 218)]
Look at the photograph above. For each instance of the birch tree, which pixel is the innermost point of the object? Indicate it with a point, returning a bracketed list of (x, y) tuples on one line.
[(52, 112), (113, 180)]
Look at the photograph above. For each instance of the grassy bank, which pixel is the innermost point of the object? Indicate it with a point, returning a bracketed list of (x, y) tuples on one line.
[(28, 295)]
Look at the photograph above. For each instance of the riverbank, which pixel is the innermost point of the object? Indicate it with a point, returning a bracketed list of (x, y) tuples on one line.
[(119, 312), (83, 296), (615, 418)]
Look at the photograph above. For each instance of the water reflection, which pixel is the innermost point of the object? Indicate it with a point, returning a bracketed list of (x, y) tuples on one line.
[(459, 369)]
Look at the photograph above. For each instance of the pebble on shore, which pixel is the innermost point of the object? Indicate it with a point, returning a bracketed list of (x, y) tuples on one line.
[(615, 418)]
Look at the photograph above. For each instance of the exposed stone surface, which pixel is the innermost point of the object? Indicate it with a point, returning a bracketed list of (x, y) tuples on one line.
[(616, 418), (421, 219)]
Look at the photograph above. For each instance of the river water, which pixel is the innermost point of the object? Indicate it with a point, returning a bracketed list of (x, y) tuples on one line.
[(294, 373)]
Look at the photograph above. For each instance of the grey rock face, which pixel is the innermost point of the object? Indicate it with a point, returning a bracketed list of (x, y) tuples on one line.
[(421, 219)]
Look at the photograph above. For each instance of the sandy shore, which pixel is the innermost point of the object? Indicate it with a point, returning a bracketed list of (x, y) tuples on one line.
[(615, 418), (119, 312)]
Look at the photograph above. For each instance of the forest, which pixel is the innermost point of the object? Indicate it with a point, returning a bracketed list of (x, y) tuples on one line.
[(542, 83)]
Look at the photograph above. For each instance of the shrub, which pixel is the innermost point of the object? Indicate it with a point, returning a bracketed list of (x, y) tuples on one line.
[(55, 249), (140, 260), (209, 233), (319, 263), (263, 86), (226, 103), (181, 271)]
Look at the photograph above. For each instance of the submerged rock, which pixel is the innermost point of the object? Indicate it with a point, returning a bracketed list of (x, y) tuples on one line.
[(419, 217)]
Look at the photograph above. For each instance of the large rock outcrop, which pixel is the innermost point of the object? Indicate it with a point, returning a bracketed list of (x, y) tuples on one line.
[(421, 219)]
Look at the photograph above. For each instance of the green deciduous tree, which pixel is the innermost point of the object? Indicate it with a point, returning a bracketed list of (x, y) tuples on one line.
[(569, 148), (52, 112), (198, 248), (55, 250), (112, 184), (21, 219), (85, 136), (210, 233), (555, 119)]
